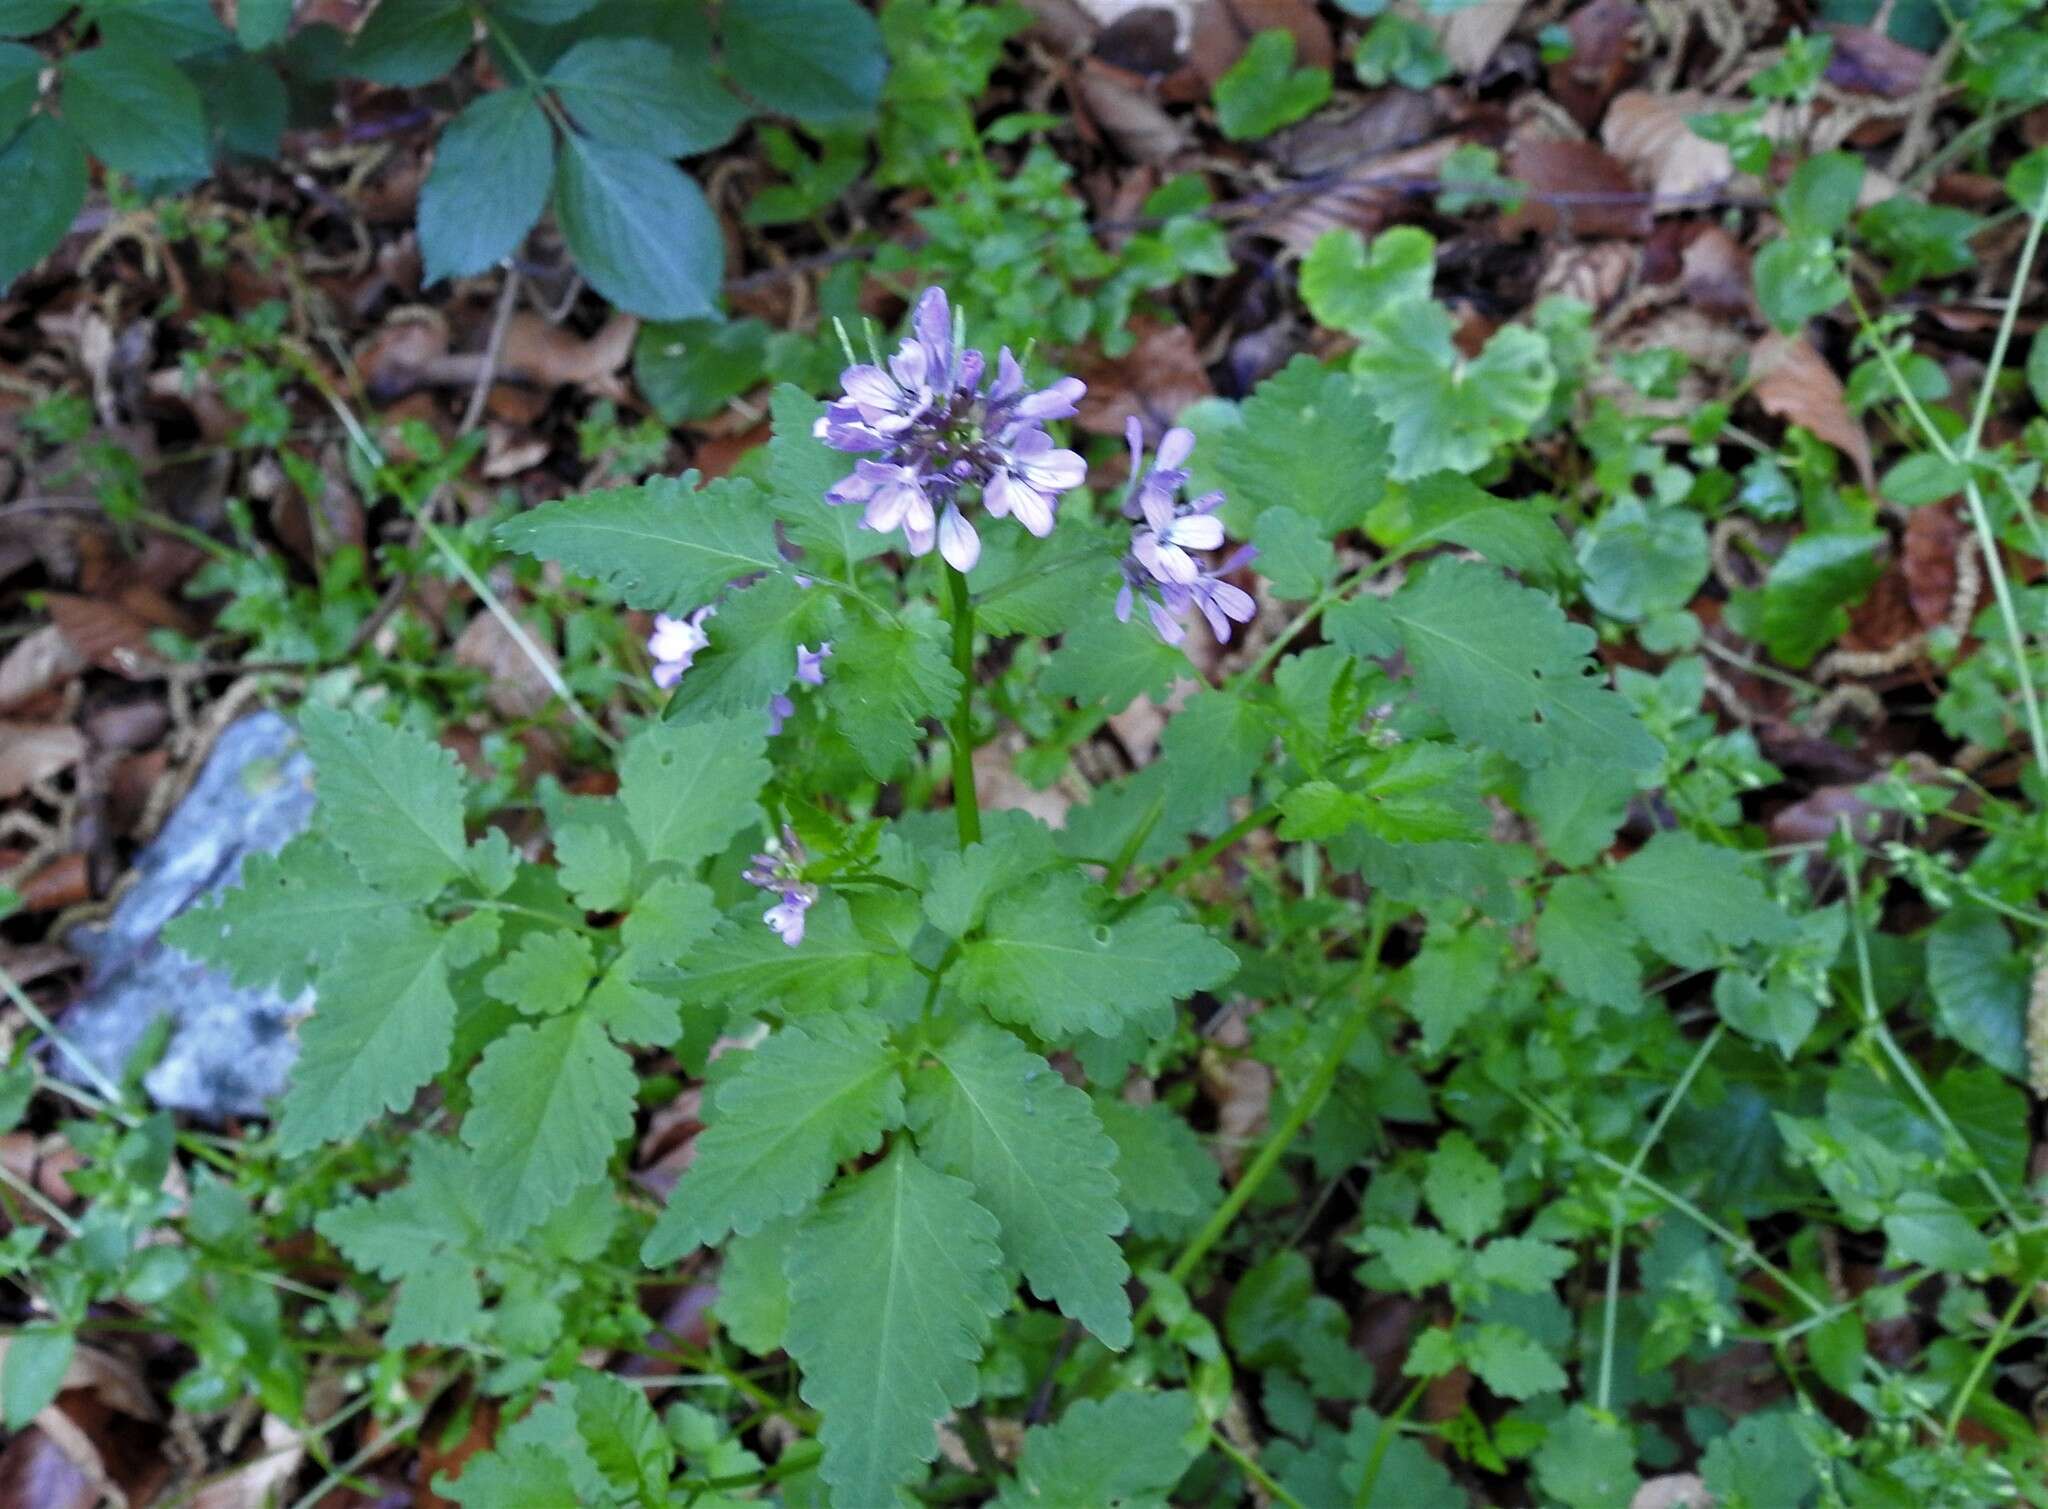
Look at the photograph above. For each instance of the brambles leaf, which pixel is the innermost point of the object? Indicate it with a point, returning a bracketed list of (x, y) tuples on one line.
[(552, 1101), (44, 175), (818, 60), (488, 185), (664, 544), (634, 92), (640, 229), (1003, 1119), (893, 1281), (138, 113), (801, 1104), (389, 800), (1502, 664)]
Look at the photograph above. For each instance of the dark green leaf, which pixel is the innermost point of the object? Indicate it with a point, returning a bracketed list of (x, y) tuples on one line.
[(693, 368), (406, 43), (818, 60), (488, 185), (43, 174), (633, 92), (138, 113), (640, 229)]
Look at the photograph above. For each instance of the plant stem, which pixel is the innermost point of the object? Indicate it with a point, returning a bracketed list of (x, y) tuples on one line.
[(1282, 1136), (2022, 1293), (966, 806), (1197, 861), (1390, 1427)]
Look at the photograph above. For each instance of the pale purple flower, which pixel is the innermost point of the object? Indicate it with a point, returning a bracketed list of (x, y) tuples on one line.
[(810, 670), (675, 643), (780, 711), (779, 868), (1162, 569), (939, 440)]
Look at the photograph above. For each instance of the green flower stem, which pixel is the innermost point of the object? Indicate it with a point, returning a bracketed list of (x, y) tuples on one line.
[(1282, 1136), (1203, 857), (966, 806), (2022, 1294)]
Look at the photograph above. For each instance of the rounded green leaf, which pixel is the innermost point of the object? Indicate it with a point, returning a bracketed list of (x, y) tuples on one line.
[(24, 18), (33, 1370), (138, 113), (637, 93), (42, 174), (818, 60), (406, 43), (488, 185), (641, 231)]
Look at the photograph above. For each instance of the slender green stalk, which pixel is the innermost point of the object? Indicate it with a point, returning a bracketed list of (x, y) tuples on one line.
[(1390, 1427), (91, 1070), (1201, 858), (966, 805), (2022, 1293), (1247, 1464), (1635, 1164), (1282, 1136)]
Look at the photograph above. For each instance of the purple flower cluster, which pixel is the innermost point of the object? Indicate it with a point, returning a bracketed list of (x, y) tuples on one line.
[(1161, 569), (779, 868), (935, 433)]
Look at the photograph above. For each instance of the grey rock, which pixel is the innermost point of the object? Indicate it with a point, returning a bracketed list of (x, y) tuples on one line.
[(230, 1048)]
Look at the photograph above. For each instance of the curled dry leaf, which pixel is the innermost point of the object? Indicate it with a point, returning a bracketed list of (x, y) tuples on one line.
[(555, 356), (1125, 112), (31, 752), (1648, 132), (1471, 34), (1869, 62), (43, 659), (1603, 51), (1363, 198), (1714, 272), (1341, 137), (1595, 275), (1794, 383), (1931, 559), (1577, 189), (1157, 378), (1241, 1089), (261, 1481)]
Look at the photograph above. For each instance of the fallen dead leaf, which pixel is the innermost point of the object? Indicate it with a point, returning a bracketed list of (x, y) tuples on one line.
[(260, 1482), (106, 632), (1363, 198), (1595, 275), (63, 882), (1930, 558), (1241, 1089), (1869, 62), (1794, 383), (43, 659), (1125, 112), (1579, 190), (1160, 376), (1000, 788), (35, 1473), (31, 752), (1714, 272), (518, 688), (1648, 132), (1339, 138), (1816, 817), (556, 356), (1603, 51), (1471, 34)]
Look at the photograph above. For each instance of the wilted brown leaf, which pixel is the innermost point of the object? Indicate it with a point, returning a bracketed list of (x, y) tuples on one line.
[(1578, 189), (1794, 383), (1648, 132), (36, 1474), (1869, 62), (1603, 45), (42, 659), (31, 752), (1161, 375), (1125, 112), (1930, 559), (1363, 198), (1471, 34), (555, 356), (260, 1482)]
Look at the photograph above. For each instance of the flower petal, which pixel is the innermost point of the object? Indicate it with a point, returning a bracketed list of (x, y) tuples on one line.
[(958, 542)]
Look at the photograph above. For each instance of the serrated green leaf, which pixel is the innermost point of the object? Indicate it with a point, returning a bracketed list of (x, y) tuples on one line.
[(664, 544), (1416, 1257), (1212, 747), (753, 649), (668, 920), (1463, 1188), (1452, 980), (801, 469), (1309, 442), (138, 113), (641, 230), (1759, 1464), (548, 972), (1047, 964), (624, 1438), (595, 856), (1165, 1178), (382, 1029), (390, 800), (634, 92), (1101, 660), (439, 1304), (1692, 901), (293, 912), (1578, 806), (893, 1283), (552, 1101), (1014, 847), (1587, 945), (1413, 793), (1587, 1462), (1000, 1117), (402, 1230), (1445, 508), (886, 679), (44, 175), (1523, 1264), (753, 1291), (1502, 664), (816, 60), (1512, 1363), (488, 185), (801, 1104), (1123, 1452), (747, 968), (1293, 555), (1024, 585), (688, 789)]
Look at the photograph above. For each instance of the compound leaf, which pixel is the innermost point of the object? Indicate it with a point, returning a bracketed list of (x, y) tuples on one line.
[(885, 679)]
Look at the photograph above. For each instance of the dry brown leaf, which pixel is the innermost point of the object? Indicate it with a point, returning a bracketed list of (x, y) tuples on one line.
[(1241, 1089), (35, 1473), (1126, 113), (1333, 140), (43, 659), (1794, 383), (1930, 559), (1471, 34), (1869, 62), (1579, 190), (104, 632), (1000, 788), (1363, 199), (31, 752), (1595, 275), (260, 1482), (557, 357), (1648, 132), (1603, 46), (1160, 376), (1714, 272), (518, 687)]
